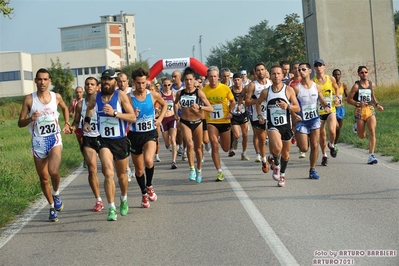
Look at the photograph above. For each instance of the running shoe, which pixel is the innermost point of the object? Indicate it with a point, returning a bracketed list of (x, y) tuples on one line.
[(53, 216), (124, 208), (324, 161), (184, 156), (244, 157), (180, 151), (144, 201), (293, 140), (313, 174), (129, 174), (198, 177), (151, 194), (173, 165), (265, 167), (333, 150), (98, 207), (58, 205), (258, 159), (267, 141), (270, 159), (112, 214), (302, 154), (231, 153), (208, 146), (281, 182), (220, 177), (203, 158), (191, 175), (276, 173), (372, 159), (235, 144), (156, 158)]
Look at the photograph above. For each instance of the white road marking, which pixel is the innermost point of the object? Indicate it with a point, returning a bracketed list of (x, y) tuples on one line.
[(272, 240), (26, 217)]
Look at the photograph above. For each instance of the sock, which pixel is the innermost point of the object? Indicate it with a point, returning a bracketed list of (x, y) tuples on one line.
[(111, 205), (325, 155), (99, 199), (141, 181), (198, 170), (56, 193), (276, 159), (192, 167), (52, 206), (284, 164), (263, 159), (123, 198), (149, 173), (219, 170)]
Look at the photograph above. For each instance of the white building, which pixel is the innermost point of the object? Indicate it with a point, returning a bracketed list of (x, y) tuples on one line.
[(115, 32), (18, 69)]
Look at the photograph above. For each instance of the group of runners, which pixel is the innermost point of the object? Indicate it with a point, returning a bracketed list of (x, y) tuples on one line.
[(115, 122)]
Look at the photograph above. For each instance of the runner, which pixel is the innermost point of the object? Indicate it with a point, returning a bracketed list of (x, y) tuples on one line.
[(340, 109), (72, 106), (114, 111), (362, 96), (190, 99), (90, 140), (279, 100), (143, 134), (43, 124), (218, 121)]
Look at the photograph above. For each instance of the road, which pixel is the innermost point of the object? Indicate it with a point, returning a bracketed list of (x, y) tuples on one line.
[(351, 213)]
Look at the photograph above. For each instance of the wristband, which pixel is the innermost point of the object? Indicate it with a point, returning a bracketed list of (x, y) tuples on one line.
[(67, 123), (358, 104), (87, 120), (200, 107), (376, 104), (260, 116)]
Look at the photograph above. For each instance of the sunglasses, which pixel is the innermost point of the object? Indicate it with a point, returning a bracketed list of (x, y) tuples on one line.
[(167, 85), (363, 72), (303, 69)]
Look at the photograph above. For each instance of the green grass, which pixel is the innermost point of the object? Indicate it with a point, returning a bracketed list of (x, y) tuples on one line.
[(18, 178)]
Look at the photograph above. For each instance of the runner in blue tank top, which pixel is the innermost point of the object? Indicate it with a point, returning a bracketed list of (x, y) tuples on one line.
[(114, 110)]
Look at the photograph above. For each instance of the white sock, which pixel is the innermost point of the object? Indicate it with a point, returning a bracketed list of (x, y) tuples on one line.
[(99, 199), (56, 193), (110, 205), (123, 198)]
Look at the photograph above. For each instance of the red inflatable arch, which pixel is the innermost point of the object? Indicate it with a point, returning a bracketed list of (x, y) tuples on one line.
[(177, 63)]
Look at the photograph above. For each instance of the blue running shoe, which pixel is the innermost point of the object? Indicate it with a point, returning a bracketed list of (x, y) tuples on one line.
[(372, 159), (58, 205), (53, 216), (192, 175), (198, 178), (313, 174)]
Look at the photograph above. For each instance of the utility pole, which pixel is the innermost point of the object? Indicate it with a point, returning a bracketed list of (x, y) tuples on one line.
[(200, 47), (193, 51)]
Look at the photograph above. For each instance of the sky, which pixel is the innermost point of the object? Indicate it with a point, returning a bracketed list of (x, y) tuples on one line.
[(170, 28)]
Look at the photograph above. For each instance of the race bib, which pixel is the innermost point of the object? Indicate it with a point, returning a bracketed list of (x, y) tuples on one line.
[(278, 116), (46, 126), (364, 95), (109, 127), (328, 101), (170, 105), (187, 100), (217, 112), (309, 111)]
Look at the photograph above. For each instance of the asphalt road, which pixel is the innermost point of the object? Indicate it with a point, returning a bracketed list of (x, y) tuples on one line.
[(348, 216)]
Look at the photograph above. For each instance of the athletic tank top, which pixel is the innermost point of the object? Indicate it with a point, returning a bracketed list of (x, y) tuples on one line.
[(169, 99), (363, 94), (341, 92), (187, 99), (146, 118), (277, 116), (93, 122), (47, 122), (109, 126), (258, 89), (327, 91), (236, 97), (308, 99)]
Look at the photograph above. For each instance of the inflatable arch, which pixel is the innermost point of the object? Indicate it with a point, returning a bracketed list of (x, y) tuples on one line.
[(177, 63)]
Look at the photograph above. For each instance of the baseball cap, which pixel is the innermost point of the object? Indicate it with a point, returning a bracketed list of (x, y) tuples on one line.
[(237, 75), (109, 73), (320, 61), (243, 72), (231, 75)]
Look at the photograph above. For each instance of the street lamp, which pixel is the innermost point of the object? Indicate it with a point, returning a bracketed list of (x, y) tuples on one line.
[(149, 58), (143, 52)]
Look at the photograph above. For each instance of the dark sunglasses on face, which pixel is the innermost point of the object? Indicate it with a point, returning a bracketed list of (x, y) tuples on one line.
[(167, 85), (302, 69)]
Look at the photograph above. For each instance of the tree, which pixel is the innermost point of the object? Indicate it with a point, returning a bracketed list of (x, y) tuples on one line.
[(61, 79), (5, 9)]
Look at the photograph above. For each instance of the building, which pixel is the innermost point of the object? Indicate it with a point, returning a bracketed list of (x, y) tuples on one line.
[(347, 34), (115, 32), (17, 69)]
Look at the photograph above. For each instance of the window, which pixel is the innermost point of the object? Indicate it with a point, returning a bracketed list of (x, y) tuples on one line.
[(127, 20), (10, 76), (133, 25), (99, 69), (87, 71), (309, 8), (28, 75), (127, 33), (93, 70), (128, 44), (80, 72)]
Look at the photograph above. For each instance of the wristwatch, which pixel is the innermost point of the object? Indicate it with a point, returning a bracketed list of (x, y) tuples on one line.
[(115, 113)]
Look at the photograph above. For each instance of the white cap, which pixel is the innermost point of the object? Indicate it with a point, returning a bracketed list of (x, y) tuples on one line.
[(231, 75), (243, 72)]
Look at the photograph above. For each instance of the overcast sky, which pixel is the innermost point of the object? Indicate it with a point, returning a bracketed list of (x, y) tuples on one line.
[(169, 28)]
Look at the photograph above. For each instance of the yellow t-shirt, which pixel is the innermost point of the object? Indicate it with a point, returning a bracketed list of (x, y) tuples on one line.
[(327, 90), (219, 98)]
